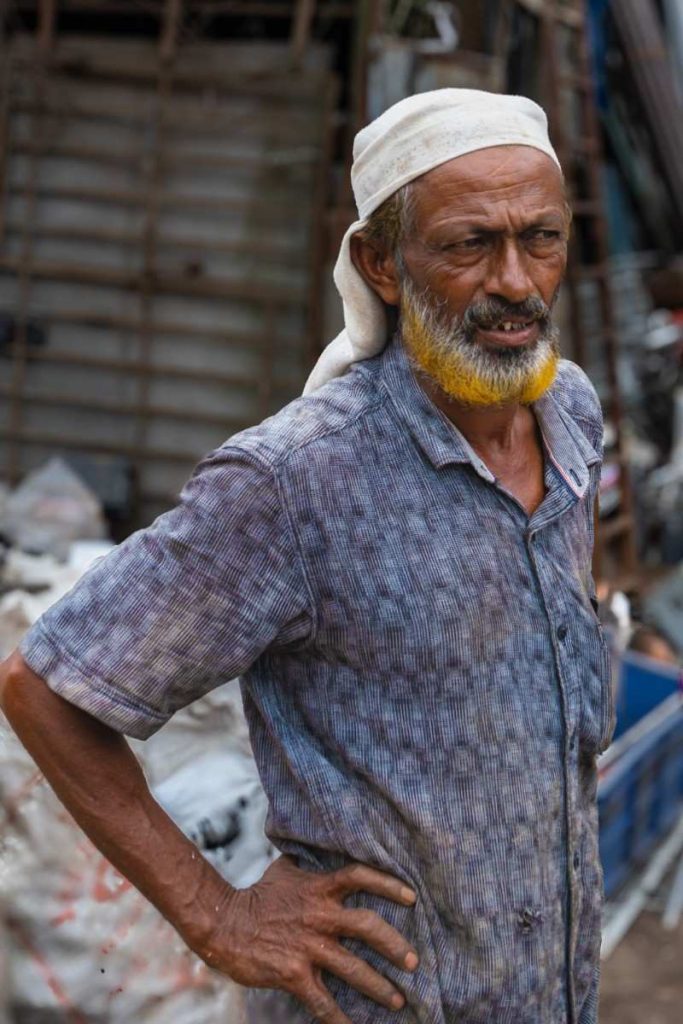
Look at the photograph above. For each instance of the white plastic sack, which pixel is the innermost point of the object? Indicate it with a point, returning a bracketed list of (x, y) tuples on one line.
[(34, 582), (81, 945), (51, 508)]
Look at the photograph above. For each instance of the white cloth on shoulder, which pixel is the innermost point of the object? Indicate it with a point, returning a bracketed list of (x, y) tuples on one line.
[(407, 140)]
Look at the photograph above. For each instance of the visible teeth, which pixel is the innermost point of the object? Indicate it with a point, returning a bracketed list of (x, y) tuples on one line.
[(507, 325)]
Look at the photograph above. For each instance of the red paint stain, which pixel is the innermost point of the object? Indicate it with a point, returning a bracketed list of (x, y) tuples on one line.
[(68, 914), (71, 1014), (108, 884)]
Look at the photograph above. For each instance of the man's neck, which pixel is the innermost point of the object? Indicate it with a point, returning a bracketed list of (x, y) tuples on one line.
[(488, 429)]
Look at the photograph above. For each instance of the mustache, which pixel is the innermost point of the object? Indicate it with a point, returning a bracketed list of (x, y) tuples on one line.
[(490, 312)]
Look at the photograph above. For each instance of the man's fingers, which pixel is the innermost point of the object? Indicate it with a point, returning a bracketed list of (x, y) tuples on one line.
[(359, 975), (319, 1001), (374, 931), (361, 878)]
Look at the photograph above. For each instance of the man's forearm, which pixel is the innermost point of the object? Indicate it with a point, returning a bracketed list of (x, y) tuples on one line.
[(281, 934), (98, 779)]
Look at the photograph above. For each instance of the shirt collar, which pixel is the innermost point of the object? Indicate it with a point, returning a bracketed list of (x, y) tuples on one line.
[(441, 442), (567, 446)]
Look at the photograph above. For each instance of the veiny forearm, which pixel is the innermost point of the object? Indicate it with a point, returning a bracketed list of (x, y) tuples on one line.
[(97, 777), (282, 933)]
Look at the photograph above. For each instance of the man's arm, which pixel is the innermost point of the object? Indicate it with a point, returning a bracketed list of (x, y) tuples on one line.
[(280, 933)]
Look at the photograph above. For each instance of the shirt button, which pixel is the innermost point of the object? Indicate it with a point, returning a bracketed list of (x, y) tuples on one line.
[(577, 861), (562, 632), (572, 741), (528, 919)]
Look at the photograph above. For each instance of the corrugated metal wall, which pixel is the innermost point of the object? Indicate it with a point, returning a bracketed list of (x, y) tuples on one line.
[(160, 260)]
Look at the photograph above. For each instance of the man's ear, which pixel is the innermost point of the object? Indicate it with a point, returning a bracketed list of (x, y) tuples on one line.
[(377, 268)]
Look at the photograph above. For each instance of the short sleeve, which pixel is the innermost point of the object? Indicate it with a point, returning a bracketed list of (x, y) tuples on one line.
[(182, 606)]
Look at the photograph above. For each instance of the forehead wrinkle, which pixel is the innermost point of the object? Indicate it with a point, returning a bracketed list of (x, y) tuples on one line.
[(483, 218), (513, 166), (473, 181), (483, 164), (524, 191)]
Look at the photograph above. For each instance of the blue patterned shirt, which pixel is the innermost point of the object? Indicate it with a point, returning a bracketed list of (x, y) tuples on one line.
[(422, 668)]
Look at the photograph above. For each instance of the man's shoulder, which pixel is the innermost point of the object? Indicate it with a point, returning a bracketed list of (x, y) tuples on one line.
[(310, 424), (574, 391)]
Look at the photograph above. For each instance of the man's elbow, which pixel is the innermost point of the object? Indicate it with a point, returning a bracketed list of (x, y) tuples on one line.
[(17, 685)]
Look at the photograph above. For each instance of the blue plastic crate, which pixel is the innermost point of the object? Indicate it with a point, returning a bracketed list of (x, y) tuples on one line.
[(640, 793), (643, 685)]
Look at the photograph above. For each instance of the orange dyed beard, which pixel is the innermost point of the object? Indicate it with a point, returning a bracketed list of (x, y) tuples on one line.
[(465, 370)]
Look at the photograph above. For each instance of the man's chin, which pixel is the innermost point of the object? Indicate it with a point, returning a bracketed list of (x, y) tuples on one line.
[(480, 392)]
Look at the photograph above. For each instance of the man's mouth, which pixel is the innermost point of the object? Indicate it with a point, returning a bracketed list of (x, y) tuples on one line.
[(510, 332), (510, 325)]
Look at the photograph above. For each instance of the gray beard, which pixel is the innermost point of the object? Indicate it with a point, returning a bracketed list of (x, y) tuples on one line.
[(453, 338)]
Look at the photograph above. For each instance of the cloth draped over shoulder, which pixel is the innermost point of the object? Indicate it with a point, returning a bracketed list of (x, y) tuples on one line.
[(407, 140)]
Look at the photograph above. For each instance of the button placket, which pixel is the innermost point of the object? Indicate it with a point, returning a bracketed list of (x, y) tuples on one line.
[(568, 698)]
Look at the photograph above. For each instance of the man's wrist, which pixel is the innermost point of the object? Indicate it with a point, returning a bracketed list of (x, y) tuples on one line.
[(204, 913)]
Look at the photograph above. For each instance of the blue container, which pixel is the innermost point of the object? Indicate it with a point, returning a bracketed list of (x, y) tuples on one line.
[(640, 793), (643, 684)]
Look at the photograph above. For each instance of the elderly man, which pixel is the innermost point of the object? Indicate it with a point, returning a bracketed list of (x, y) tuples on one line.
[(398, 567)]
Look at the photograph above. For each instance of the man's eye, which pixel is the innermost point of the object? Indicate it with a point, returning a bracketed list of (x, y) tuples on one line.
[(542, 235), (465, 244)]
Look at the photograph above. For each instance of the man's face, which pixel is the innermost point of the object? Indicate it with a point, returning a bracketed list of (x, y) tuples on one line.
[(479, 272)]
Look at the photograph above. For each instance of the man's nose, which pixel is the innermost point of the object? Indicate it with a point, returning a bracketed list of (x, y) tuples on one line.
[(508, 275)]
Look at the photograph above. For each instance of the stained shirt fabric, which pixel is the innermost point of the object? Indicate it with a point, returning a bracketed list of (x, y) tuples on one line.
[(422, 668)]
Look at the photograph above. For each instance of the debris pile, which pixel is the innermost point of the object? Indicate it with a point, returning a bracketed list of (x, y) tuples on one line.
[(82, 944), (50, 509)]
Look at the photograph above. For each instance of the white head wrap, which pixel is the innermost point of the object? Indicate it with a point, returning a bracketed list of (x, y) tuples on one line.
[(408, 140)]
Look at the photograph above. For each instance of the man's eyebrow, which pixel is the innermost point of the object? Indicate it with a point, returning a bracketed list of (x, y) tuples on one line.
[(463, 223), (546, 221)]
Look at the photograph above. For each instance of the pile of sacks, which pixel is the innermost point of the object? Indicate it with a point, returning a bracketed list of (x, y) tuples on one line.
[(79, 945)]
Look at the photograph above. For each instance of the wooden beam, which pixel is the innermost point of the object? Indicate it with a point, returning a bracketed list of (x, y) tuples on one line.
[(107, 321), (267, 252), (205, 286), (274, 87), (271, 164), (301, 29), (168, 44), (285, 380), (259, 208), (113, 407), (47, 20), (58, 441), (278, 11), (272, 125)]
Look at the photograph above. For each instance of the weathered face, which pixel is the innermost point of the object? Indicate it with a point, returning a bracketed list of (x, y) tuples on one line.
[(479, 270), (489, 225), (479, 274)]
